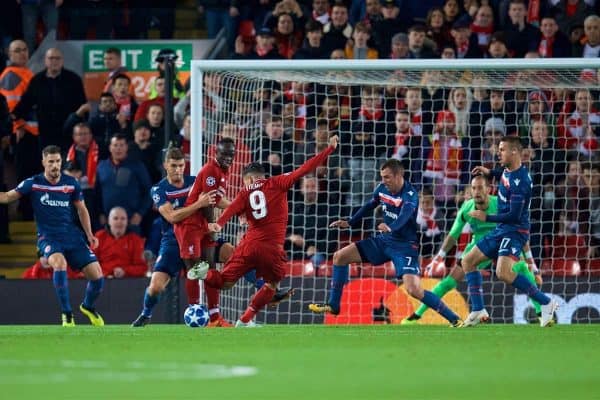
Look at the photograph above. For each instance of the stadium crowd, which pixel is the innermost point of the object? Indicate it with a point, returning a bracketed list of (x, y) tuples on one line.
[(114, 147)]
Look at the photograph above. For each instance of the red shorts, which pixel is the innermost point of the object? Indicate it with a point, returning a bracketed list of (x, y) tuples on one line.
[(192, 240), (270, 263)]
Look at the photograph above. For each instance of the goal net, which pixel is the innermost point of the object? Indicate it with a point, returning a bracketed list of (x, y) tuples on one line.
[(440, 119)]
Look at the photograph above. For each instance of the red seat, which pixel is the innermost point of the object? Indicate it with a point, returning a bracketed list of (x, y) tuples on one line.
[(326, 270), (386, 270), (569, 246), (566, 267), (301, 268)]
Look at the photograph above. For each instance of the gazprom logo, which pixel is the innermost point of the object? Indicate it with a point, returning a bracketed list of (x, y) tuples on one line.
[(45, 200)]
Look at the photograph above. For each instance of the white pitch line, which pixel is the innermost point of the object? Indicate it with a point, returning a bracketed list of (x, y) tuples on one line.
[(132, 371)]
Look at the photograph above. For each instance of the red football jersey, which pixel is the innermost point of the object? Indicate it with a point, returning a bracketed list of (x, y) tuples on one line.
[(210, 177), (265, 204)]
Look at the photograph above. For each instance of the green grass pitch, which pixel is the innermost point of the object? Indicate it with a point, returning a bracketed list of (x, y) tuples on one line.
[(300, 362)]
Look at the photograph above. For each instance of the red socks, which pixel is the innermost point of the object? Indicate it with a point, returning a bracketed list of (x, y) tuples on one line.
[(257, 303), (193, 291)]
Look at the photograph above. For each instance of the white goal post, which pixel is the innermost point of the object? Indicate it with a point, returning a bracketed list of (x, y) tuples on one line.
[(276, 109)]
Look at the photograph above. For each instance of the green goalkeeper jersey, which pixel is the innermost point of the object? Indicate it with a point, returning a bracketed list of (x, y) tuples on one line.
[(478, 228)]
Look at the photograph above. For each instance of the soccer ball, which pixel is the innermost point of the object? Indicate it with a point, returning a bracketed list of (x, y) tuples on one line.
[(196, 316)]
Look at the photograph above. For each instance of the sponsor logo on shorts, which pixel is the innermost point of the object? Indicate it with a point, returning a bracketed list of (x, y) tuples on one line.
[(191, 249), (47, 249)]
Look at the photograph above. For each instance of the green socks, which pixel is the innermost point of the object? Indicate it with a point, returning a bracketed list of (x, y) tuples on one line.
[(443, 287), (521, 267)]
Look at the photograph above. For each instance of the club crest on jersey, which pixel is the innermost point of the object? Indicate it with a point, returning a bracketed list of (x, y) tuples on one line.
[(210, 181)]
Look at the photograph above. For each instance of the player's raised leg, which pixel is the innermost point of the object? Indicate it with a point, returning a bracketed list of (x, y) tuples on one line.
[(93, 274), (339, 278)]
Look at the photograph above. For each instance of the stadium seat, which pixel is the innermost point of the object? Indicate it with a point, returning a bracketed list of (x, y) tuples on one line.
[(326, 270), (569, 246), (386, 270), (301, 268), (593, 266), (564, 267)]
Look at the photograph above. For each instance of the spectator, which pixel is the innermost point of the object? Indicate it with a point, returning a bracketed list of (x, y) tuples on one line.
[(553, 42), (359, 49), (465, 43), (448, 52), (451, 12), (437, 29), (573, 203), (493, 131), (497, 46), (31, 10), (400, 49), (119, 251), (445, 161), (421, 117), (575, 34), (54, 93), (570, 13), (288, 38), (276, 153), (416, 43), (536, 108), (156, 118), (123, 182), (82, 164), (185, 135), (126, 104), (320, 11), (521, 36), (161, 65), (547, 169), (219, 14), (459, 102), (589, 45), (104, 123), (142, 111), (309, 235), (429, 223), (592, 176), (409, 146), (578, 124), (338, 30), (312, 48), (387, 26), (263, 50), (14, 81), (114, 66), (483, 26), (143, 149)]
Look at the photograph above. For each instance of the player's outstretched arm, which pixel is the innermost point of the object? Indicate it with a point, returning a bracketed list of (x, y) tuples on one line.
[(174, 216), (340, 223), (286, 181), (9, 197)]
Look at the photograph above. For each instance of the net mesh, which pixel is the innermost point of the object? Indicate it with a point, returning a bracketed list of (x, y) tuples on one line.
[(440, 124)]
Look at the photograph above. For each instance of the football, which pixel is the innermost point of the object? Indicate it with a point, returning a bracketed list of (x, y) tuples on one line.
[(196, 316)]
